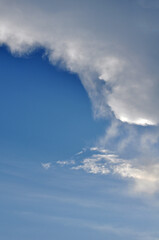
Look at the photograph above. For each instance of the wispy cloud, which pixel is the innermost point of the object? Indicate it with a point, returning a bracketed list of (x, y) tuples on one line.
[(63, 163), (144, 177), (46, 166), (112, 230)]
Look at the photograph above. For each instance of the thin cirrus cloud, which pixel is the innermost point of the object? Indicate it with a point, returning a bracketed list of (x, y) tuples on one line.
[(111, 45)]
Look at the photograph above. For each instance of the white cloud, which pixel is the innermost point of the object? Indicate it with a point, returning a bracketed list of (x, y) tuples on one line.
[(145, 178), (90, 165), (110, 52), (46, 165), (63, 163)]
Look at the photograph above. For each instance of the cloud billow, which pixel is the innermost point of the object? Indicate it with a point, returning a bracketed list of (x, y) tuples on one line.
[(110, 45)]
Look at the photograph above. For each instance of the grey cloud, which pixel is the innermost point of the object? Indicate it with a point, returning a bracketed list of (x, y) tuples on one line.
[(109, 44)]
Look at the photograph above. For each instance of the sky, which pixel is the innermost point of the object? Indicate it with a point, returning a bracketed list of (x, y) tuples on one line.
[(79, 135)]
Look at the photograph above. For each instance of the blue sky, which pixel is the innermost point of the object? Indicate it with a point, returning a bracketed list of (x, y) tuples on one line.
[(42, 107), (79, 131)]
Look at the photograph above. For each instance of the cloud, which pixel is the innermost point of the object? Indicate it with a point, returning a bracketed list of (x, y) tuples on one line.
[(46, 166), (110, 45), (63, 163), (144, 178)]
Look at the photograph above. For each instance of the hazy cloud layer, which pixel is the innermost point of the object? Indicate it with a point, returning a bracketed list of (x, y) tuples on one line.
[(111, 45)]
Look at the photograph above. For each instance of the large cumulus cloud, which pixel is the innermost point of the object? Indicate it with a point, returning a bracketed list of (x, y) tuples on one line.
[(111, 45)]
